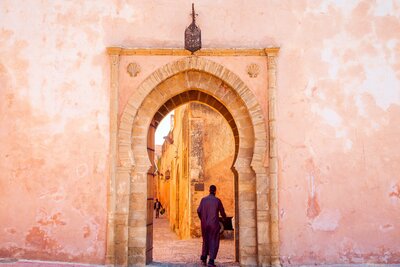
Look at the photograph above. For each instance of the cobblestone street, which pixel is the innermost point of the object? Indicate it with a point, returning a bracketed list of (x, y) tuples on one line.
[(170, 251)]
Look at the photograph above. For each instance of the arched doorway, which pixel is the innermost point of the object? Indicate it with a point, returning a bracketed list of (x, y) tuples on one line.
[(206, 139), (199, 148), (131, 239)]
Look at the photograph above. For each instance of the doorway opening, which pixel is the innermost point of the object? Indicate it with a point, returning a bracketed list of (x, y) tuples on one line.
[(198, 150), (130, 243), (197, 181)]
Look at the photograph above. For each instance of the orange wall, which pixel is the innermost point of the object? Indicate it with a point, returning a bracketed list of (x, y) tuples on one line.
[(338, 117), (219, 148)]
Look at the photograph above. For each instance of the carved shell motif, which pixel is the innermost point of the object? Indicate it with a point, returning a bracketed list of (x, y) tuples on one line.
[(133, 69), (253, 70)]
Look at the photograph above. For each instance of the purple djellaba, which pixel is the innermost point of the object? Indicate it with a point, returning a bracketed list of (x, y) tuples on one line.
[(208, 211)]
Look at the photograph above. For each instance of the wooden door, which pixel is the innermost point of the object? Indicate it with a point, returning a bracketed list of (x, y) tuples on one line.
[(150, 193)]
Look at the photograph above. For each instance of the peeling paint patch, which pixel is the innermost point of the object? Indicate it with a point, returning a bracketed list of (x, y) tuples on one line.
[(282, 213), (395, 191), (348, 144), (82, 170), (10, 230), (56, 194), (86, 231), (54, 219), (330, 116), (39, 239), (313, 208), (384, 8), (360, 105), (327, 221), (386, 228), (381, 76), (328, 55)]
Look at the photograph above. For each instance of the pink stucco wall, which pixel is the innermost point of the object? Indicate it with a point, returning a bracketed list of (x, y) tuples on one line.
[(338, 118)]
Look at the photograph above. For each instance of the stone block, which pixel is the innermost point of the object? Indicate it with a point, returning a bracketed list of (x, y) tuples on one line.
[(121, 254), (137, 241), (127, 118), (247, 215), (121, 234), (138, 185), (263, 216), (136, 251), (273, 153), (121, 218), (141, 170), (122, 184), (246, 186), (247, 222), (139, 216), (242, 165), (246, 181), (137, 260), (138, 202), (228, 97), (263, 233), (273, 165), (264, 260), (204, 80), (137, 236), (248, 260), (124, 136), (262, 201), (247, 199), (122, 201)]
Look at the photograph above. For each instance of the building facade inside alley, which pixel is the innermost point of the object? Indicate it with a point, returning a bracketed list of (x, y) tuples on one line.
[(292, 108), (198, 152)]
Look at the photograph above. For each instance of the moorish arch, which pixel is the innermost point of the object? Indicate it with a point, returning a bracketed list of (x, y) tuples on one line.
[(200, 96), (130, 228)]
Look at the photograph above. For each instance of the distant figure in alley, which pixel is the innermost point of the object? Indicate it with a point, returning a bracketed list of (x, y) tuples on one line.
[(157, 207), (208, 211)]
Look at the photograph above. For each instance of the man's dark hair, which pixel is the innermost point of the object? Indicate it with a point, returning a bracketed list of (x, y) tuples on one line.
[(213, 189)]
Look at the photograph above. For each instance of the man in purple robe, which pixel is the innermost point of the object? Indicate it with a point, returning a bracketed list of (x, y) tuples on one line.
[(210, 207)]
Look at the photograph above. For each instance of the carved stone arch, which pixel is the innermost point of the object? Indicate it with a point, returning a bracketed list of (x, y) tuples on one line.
[(207, 66), (192, 73)]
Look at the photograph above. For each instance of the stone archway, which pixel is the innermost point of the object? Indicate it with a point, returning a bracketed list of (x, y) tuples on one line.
[(198, 96), (128, 232)]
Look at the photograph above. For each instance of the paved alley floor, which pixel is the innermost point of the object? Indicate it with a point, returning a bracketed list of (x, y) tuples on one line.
[(168, 250)]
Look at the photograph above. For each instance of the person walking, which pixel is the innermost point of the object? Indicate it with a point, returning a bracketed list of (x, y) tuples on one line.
[(157, 207), (209, 209)]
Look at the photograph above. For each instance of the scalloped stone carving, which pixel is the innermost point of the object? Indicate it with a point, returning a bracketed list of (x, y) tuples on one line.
[(133, 69), (253, 70)]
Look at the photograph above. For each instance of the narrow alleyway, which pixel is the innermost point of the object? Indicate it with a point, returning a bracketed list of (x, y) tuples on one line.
[(170, 251)]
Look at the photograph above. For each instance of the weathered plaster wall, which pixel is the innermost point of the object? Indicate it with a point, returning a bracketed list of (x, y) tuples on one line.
[(53, 131), (338, 118), (219, 150), (211, 157), (173, 191)]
